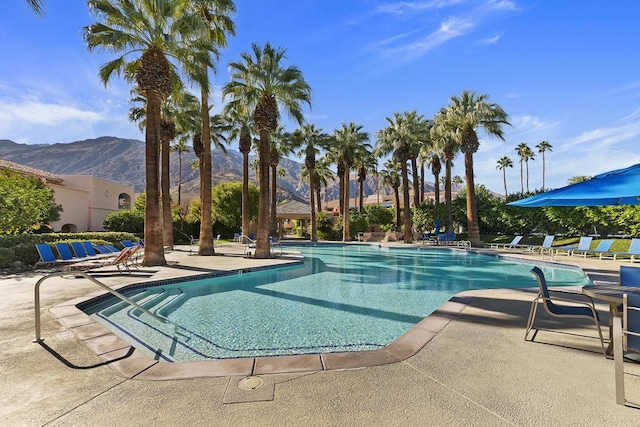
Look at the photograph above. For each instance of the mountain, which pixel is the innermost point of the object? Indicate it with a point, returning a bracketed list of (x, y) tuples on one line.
[(122, 160)]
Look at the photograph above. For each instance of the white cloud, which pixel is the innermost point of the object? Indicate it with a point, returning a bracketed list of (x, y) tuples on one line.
[(34, 112), (405, 7), (489, 41), (449, 29)]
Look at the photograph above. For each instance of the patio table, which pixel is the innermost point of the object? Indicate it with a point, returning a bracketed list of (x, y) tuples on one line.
[(612, 293)]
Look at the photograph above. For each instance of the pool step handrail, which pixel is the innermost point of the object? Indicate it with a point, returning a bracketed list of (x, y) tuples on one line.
[(91, 279)]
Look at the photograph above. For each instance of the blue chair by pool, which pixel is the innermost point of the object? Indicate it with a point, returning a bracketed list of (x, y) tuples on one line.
[(626, 337), (602, 248), (583, 245), (512, 244), (569, 307), (632, 252), (65, 252), (47, 258)]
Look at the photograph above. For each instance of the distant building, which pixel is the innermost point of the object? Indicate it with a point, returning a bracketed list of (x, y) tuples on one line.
[(85, 199)]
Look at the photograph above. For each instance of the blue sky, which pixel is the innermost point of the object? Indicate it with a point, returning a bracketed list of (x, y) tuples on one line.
[(565, 72)]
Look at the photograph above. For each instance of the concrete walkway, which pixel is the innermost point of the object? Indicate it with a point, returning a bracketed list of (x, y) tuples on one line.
[(477, 371)]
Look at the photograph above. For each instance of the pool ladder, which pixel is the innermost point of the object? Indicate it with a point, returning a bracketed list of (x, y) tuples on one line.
[(91, 279)]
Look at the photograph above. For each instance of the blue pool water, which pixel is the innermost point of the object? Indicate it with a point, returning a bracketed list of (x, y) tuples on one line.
[(344, 298)]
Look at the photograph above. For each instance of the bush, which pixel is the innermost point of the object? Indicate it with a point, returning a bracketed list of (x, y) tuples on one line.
[(7, 257), (125, 220)]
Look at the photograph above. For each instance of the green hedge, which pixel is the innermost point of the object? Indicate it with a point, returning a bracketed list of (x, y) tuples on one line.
[(18, 251)]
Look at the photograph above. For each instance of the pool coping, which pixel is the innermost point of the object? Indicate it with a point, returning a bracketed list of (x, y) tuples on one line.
[(129, 362)]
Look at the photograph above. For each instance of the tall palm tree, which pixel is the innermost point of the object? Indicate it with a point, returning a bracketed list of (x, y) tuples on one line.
[(186, 117), (365, 164), (504, 163), (322, 175), (396, 139), (155, 30), (308, 140), (444, 138), (543, 147), (215, 14), (521, 151), (242, 128), (281, 146), (351, 144), (465, 114), (530, 155), (392, 177), (260, 81), (433, 160)]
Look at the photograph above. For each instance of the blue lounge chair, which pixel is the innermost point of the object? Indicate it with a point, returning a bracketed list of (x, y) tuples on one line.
[(513, 243), (65, 252), (626, 337), (47, 258), (632, 252), (78, 250), (602, 248), (575, 309), (583, 245)]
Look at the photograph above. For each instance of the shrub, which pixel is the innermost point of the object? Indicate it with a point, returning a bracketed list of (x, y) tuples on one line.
[(7, 257)]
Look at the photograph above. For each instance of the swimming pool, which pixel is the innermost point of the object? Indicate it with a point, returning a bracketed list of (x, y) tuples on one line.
[(343, 298)]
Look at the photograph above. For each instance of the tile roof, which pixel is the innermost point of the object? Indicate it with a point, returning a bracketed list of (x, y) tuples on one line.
[(28, 170)]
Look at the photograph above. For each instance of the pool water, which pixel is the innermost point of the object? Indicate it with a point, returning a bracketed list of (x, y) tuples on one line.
[(343, 298)]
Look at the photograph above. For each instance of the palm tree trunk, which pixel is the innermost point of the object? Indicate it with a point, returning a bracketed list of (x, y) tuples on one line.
[(527, 164), (396, 193), (416, 182), (422, 183), (521, 178), (406, 210), (314, 237), (341, 190), (206, 231), (504, 178), (447, 194), (436, 187), (472, 212), (543, 171), (263, 249), (167, 223), (318, 198), (346, 237), (180, 180), (154, 251), (274, 201), (361, 199), (245, 195)]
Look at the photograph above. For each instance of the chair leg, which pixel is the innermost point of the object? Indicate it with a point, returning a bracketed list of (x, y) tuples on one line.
[(618, 357), (532, 315)]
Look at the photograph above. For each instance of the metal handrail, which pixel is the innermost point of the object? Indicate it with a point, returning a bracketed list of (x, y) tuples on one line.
[(95, 281)]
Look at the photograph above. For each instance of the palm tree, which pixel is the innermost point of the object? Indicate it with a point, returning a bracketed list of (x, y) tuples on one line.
[(242, 128), (260, 82), (457, 181), (526, 155), (503, 164), (392, 177), (433, 160), (157, 30), (215, 14), (280, 147), (186, 114), (521, 150), (365, 164), (542, 148), (464, 115), (444, 138), (37, 6), (322, 174), (308, 139), (396, 139), (419, 134), (351, 144)]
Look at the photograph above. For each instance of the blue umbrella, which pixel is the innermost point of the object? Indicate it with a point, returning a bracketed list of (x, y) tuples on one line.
[(618, 187)]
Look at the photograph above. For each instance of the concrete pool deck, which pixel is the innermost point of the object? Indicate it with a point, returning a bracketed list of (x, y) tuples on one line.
[(477, 370)]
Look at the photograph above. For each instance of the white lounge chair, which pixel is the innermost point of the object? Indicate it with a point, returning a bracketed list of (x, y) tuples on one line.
[(583, 245)]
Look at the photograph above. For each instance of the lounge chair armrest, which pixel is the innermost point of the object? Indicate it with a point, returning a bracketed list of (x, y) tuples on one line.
[(579, 294)]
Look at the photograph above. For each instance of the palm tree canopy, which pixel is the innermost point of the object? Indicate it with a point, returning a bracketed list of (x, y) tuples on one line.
[(37, 6), (262, 75), (504, 162), (469, 112), (544, 146), (132, 27)]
